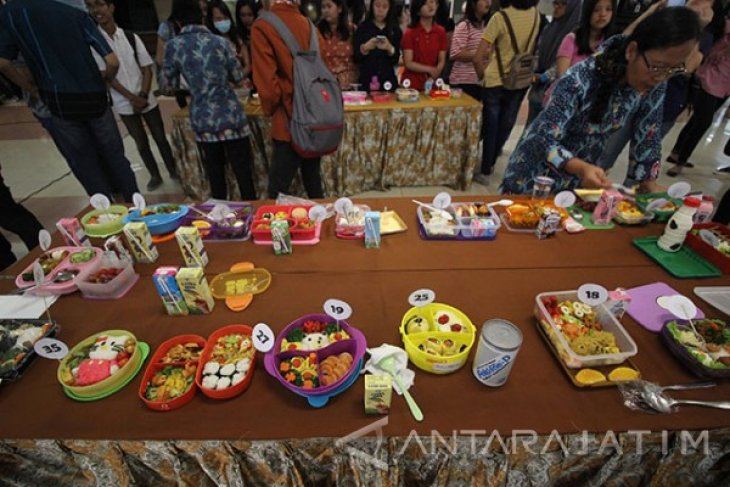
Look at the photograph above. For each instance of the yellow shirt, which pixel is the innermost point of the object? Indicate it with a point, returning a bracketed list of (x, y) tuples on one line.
[(497, 35)]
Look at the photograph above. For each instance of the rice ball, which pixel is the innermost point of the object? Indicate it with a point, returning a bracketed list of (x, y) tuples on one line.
[(211, 368), (238, 378), (227, 370), (223, 383), (243, 365), (210, 381)]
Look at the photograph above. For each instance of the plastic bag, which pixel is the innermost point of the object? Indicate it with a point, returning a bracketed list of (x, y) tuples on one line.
[(285, 199)]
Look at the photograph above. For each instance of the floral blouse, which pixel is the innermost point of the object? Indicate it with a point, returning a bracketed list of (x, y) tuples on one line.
[(563, 131), (341, 59), (208, 63)]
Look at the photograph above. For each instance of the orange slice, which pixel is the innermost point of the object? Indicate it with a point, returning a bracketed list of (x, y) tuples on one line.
[(242, 266), (239, 302), (589, 377), (623, 373)]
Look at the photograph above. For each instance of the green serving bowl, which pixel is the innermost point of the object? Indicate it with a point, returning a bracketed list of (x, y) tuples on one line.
[(106, 229), (64, 373)]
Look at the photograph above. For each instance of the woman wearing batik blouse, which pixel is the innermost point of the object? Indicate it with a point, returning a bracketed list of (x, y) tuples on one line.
[(210, 66), (623, 84)]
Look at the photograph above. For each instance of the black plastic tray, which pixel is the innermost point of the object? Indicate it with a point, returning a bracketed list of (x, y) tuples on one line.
[(19, 368), (687, 359)]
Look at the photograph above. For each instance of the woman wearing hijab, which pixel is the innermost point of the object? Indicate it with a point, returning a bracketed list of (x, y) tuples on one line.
[(566, 15)]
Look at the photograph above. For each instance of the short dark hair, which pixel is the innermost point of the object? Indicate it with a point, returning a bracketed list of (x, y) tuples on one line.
[(523, 4), (187, 12), (416, 11)]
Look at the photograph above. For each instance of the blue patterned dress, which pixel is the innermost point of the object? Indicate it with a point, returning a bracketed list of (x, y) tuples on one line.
[(208, 64), (563, 131)]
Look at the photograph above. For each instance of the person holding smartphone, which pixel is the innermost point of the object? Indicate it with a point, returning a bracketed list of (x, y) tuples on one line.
[(376, 44)]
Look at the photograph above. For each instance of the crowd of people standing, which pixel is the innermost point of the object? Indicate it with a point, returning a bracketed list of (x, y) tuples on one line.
[(598, 75)]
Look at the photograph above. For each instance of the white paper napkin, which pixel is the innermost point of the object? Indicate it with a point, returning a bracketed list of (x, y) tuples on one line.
[(24, 307), (377, 354)]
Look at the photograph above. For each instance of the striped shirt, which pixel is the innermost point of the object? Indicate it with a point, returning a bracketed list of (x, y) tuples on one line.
[(497, 35), (54, 39), (466, 37)]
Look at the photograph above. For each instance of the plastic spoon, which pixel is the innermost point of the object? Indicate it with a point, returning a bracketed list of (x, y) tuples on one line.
[(388, 365), (444, 213), (501, 203)]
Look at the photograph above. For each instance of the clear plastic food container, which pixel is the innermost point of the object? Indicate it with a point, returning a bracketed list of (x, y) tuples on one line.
[(469, 221), (114, 289), (626, 345)]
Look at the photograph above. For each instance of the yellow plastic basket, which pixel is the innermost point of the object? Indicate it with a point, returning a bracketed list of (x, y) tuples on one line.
[(430, 348)]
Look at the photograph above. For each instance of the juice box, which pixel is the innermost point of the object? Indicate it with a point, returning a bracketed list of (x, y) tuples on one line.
[(372, 229), (378, 392), (140, 243), (195, 290), (191, 246), (72, 232), (606, 207), (280, 237), (169, 291)]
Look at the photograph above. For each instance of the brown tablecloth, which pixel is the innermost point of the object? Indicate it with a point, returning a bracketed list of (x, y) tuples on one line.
[(497, 279), (432, 142)]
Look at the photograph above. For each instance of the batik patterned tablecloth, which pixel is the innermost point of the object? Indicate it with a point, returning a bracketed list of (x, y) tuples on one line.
[(432, 142), (596, 459)]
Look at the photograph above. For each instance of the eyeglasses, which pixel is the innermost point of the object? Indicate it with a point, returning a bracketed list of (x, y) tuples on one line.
[(658, 71), (560, 3)]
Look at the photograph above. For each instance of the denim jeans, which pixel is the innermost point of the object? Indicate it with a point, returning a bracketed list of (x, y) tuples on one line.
[(153, 119), (95, 153), (284, 165), (499, 114)]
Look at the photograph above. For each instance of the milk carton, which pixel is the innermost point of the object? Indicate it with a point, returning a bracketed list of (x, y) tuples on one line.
[(140, 243), (169, 291), (378, 392), (195, 290), (191, 246)]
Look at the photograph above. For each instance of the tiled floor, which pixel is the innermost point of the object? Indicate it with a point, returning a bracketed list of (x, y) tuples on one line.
[(37, 173)]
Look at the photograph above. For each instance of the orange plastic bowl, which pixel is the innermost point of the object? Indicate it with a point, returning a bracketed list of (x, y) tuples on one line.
[(232, 391), (156, 364)]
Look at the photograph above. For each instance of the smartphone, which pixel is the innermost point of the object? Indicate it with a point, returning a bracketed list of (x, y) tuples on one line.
[(380, 38), (676, 3)]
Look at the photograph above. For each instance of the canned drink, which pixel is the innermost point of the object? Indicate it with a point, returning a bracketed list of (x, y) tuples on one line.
[(499, 343)]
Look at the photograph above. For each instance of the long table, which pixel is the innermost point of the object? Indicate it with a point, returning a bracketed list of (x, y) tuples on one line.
[(270, 436), (431, 142)]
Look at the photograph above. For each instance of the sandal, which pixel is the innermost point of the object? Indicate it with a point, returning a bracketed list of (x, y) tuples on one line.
[(673, 173)]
